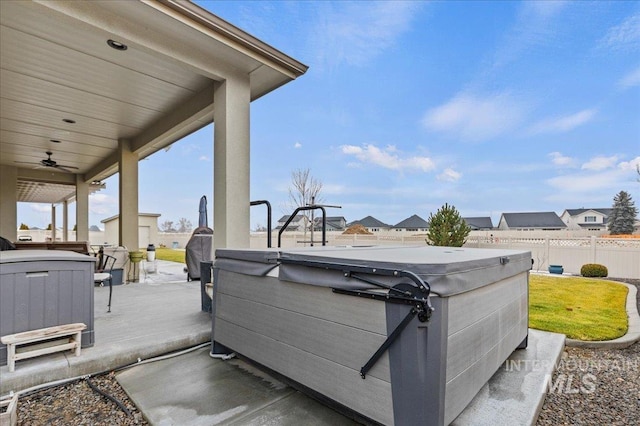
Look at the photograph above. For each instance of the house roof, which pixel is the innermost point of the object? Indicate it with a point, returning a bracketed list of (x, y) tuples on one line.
[(576, 212), (330, 218), (479, 222), (414, 221), (295, 219), (533, 220), (370, 222)]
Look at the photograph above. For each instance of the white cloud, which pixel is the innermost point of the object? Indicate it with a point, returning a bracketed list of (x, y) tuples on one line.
[(630, 166), (355, 32), (600, 163), (565, 123), (102, 204), (389, 158), (297, 145), (600, 178), (449, 175), (630, 79), (561, 160), (40, 207), (475, 118), (585, 182), (624, 36), (204, 158)]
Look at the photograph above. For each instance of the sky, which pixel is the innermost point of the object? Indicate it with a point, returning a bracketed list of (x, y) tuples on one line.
[(492, 107)]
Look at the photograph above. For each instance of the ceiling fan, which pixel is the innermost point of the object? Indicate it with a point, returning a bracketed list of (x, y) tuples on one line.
[(48, 162)]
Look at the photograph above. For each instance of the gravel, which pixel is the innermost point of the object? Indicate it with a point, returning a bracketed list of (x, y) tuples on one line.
[(589, 387), (77, 404)]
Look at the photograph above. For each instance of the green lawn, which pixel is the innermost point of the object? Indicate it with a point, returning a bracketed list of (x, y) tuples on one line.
[(580, 308), (163, 253)]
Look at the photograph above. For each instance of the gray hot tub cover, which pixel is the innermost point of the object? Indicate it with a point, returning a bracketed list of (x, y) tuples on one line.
[(447, 270)]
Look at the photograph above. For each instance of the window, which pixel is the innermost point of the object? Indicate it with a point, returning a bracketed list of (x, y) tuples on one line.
[(589, 219)]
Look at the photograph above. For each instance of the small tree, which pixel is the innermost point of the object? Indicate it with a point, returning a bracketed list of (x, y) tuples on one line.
[(24, 227), (304, 190), (167, 226), (49, 227), (447, 228), (184, 225), (623, 214)]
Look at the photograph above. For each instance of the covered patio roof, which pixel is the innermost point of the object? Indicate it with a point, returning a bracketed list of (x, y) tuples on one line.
[(67, 89), (77, 79)]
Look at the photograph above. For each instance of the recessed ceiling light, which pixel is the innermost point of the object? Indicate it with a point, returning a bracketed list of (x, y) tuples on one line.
[(117, 45), (68, 120), (54, 140)]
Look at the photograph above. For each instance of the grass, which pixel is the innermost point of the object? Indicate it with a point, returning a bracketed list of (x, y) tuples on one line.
[(172, 255), (581, 308)]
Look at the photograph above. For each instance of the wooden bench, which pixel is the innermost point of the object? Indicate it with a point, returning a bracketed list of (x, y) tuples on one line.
[(72, 331)]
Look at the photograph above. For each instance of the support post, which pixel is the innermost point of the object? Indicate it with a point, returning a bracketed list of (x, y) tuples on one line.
[(231, 163)]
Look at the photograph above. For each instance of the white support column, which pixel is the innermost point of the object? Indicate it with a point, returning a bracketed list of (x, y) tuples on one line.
[(128, 193), (53, 222), (82, 210), (8, 202), (231, 163), (65, 220)]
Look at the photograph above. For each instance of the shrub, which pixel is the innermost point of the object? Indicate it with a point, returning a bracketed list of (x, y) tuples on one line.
[(594, 270)]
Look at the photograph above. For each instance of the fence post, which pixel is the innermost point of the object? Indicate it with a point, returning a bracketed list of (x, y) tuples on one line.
[(593, 249), (546, 249)]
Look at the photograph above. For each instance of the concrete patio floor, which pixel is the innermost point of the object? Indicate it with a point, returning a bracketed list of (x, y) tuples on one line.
[(161, 314)]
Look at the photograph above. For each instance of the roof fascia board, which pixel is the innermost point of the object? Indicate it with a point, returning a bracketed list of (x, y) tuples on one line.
[(233, 36)]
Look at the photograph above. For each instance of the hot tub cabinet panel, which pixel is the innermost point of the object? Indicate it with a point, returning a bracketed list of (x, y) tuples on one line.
[(302, 314), (44, 288)]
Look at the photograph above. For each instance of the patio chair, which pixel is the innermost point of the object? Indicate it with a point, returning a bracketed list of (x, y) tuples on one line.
[(104, 273)]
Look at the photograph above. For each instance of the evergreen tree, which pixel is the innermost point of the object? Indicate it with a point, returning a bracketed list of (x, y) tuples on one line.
[(447, 228), (623, 214)]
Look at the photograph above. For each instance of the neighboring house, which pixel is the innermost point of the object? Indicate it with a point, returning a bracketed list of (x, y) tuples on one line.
[(371, 224), (543, 221), (588, 219), (298, 223), (479, 223), (334, 223), (412, 224)]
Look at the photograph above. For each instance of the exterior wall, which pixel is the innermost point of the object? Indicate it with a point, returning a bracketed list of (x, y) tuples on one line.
[(574, 222), (147, 230)]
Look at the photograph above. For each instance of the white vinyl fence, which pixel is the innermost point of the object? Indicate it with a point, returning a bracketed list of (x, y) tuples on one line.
[(620, 256)]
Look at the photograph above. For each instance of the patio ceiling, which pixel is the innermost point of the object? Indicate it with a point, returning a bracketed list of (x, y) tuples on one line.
[(65, 90)]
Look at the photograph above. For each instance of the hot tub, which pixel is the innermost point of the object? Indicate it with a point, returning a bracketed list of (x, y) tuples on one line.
[(390, 335)]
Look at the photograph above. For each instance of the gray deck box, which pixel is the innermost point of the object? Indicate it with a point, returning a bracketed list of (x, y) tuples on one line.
[(325, 319), (45, 288)]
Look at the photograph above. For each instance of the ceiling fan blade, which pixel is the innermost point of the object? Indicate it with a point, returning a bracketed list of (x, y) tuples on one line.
[(65, 168)]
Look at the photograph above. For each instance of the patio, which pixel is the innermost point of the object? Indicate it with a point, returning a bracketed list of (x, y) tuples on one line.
[(161, 314)]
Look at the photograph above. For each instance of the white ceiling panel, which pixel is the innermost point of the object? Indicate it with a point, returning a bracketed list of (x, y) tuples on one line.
[(55, 64)]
